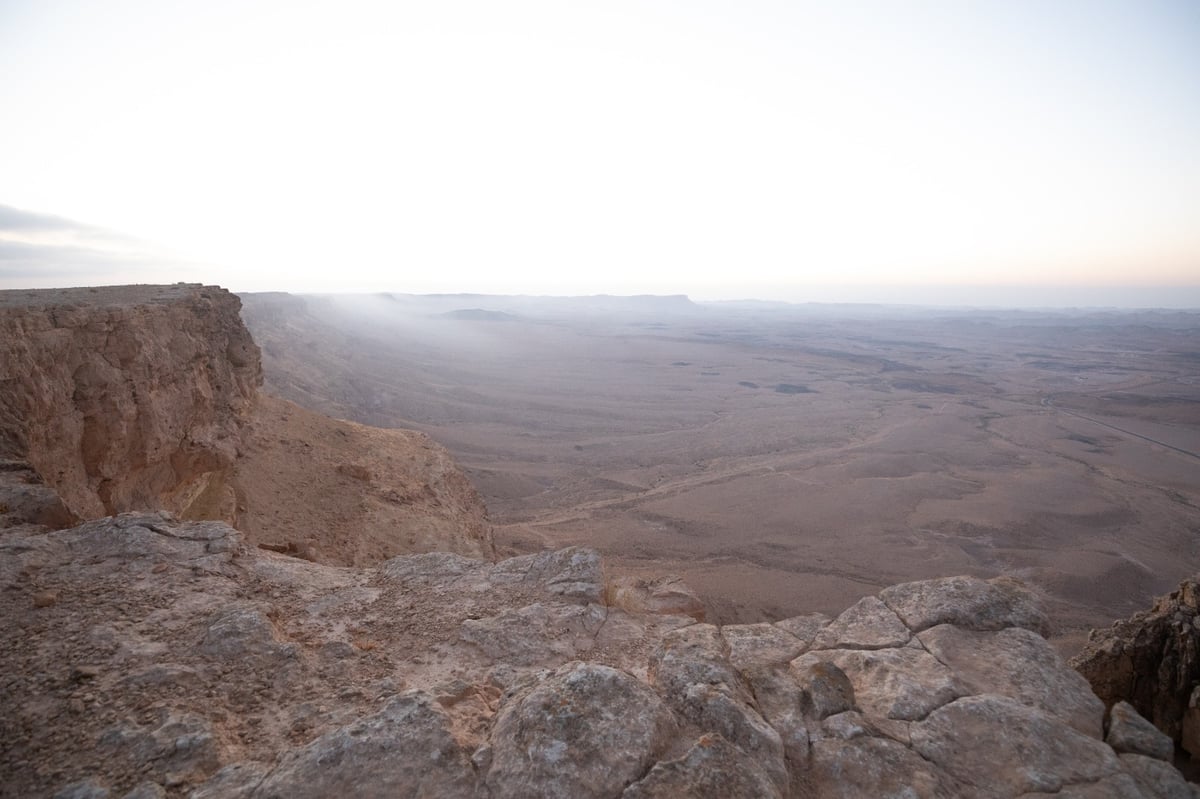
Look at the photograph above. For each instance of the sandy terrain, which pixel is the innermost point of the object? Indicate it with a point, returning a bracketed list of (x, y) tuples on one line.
[(786, 460)]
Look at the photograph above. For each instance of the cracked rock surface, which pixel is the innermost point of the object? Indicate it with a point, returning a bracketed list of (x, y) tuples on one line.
[(175, 660)]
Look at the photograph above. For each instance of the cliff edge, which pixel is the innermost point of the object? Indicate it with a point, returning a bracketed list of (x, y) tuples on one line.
[(127, 398)]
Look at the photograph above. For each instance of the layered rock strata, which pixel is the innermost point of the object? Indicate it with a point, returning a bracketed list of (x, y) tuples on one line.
[(151, 657)]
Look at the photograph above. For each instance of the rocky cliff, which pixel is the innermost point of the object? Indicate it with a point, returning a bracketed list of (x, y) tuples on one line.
[(1152, 661), (147, 397), (125, 397)]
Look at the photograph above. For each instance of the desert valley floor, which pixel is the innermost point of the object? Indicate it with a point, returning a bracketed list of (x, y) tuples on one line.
[(786, 459)]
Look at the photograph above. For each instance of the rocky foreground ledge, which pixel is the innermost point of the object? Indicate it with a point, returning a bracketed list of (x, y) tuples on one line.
[(146, 657)]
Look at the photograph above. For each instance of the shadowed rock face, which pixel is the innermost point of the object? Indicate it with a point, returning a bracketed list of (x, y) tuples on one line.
[(170, 657), (125, 397), (1151, 660)]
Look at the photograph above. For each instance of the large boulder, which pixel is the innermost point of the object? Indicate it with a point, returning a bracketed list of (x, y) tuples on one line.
[(587, 731)]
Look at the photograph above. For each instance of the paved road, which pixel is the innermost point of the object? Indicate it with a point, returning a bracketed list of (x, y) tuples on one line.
[(1049, 403)]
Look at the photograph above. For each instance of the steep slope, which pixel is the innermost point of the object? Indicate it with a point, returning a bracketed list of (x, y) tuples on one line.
[(146, 397), (125, 397), (1152, 661), (344, 493)]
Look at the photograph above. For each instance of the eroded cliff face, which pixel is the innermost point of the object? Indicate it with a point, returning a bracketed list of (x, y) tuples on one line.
[(147, 398), (1152, 661), (125, 397)]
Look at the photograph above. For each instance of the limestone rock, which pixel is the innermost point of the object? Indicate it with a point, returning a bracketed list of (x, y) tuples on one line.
[(1151, 660), (782, 703), (1189, 737), (867, 624), (692, 671), (26, 500), (403, 492), (966, 602), (142, 398), (404, 750), (760, 644), (445, 568), (904, 684), (125, 398), (827, 689), (691, 656), (1020, 664), (241, 633), (235, 781), (668, 595), (804, 628), (573, 573), (875, 767), (999, 747), (1129, 733), (86, 789), (179, 657), (1115, 786), (1156, 778), (546, 634), (712, 767), (587, 731), (178, 747), (718, 709)]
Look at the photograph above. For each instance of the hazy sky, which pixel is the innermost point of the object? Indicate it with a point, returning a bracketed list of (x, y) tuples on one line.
[(787, 150)]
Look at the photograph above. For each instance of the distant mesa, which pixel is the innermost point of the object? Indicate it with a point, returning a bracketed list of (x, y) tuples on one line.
[(747, 384), (480, 315), (790, 388)]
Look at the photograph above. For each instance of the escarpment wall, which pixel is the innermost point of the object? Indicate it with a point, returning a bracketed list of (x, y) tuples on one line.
[(136, 398), (1152, 661), (125, 397)]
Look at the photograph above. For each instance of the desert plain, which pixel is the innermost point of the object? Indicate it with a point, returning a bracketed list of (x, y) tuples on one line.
[(786, 459)]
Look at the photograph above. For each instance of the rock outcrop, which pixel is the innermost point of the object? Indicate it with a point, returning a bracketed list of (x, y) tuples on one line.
[(1151, 661), (147, 656), (347, 494), (125, 397), (147, 397)]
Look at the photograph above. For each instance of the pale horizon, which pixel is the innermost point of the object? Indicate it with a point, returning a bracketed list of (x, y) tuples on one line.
[(981, 154)]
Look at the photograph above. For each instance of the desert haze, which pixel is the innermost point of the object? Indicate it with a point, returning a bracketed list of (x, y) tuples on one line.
[(786, 459)]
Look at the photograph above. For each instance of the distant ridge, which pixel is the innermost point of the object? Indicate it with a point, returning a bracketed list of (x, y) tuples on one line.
[(480, 315), (526, 305)]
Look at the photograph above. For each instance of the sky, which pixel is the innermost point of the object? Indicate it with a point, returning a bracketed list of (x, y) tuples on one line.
[(1020, 152)]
